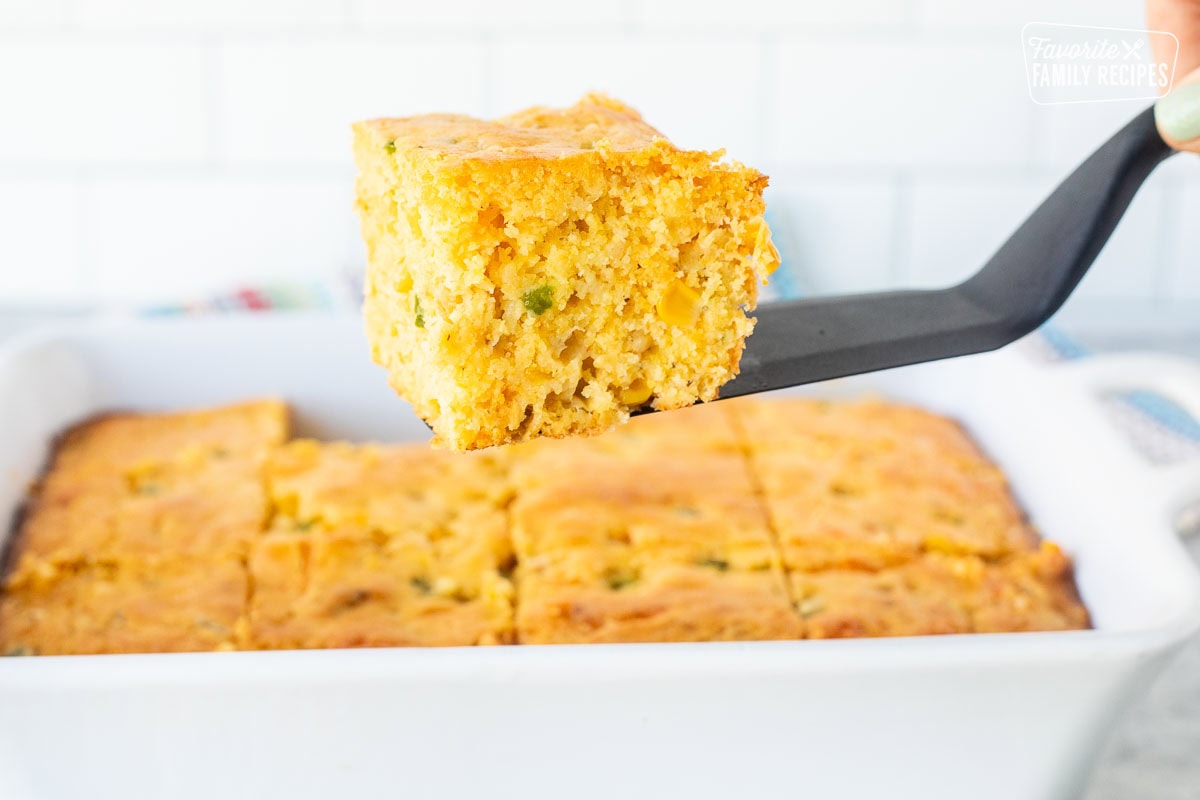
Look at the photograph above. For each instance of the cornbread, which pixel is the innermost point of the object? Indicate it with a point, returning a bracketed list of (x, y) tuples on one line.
[(619, 541), (135, 539), (938, 593), (545, 273), (869, 484), (741, 520), (186, 484), (123, 606), (382, 546)]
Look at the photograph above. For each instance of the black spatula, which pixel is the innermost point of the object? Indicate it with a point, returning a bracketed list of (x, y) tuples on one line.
[(1026, 281)]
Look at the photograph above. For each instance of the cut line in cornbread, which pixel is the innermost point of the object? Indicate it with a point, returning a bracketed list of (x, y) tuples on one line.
[(868, 485), (546, 273), (740, 520), (636, 536)]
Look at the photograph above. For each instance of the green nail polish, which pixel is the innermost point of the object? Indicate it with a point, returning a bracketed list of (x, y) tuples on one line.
[(1178, 114)]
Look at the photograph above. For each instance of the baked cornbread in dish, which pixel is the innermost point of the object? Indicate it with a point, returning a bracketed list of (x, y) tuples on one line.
[(869, 484), (937, 593), (382, 546), (741, 520), (143, 484), (545, 273), (136, 538), (132, 605), (644, 535), (891, 521)]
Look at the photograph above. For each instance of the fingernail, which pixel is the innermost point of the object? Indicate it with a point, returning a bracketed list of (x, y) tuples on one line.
[(1178, 114)]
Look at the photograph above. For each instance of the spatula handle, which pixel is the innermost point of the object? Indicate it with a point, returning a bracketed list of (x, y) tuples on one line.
[(1025, 282)]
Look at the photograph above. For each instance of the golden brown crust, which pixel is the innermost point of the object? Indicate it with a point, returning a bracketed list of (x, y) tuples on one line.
[(645, 534), (129, 606), (345, 588), (938, 594), (742, 520), (868, 484), (143, 485), (669, 602), (538, 133), (134, 540), (376, 546), (1030, 592)]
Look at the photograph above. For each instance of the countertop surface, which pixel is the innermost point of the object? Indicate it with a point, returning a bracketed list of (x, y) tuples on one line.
[(1154, 754)]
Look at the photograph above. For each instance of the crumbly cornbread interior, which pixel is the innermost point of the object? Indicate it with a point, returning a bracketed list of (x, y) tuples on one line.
[(545, 273), (742, 520)]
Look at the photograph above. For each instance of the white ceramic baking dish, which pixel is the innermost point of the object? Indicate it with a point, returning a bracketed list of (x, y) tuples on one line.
[(988, 716)]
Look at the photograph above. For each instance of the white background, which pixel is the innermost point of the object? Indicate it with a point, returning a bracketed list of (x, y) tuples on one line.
[(154, 149)]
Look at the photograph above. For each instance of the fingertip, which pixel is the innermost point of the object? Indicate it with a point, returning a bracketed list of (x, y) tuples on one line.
[(1177, 114)]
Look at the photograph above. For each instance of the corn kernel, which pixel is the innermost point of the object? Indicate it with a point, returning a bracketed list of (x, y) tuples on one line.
[(774, 259), (937, 543), (635, 393), (810, 606), (680, 305), (446, 587), (771, 256)]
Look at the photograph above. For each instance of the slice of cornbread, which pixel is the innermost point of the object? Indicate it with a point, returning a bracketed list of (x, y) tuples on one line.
[(1032, 591), (145, 485), (544, 273), (160, 605), (382, 546), (665, 603), (128, 441), (622, 542), (867, 484), (938, 593)]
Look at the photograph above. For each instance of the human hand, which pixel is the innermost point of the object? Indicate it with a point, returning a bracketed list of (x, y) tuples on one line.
[(1178, 113)]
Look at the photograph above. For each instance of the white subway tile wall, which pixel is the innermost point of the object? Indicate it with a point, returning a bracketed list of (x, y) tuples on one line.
[(294, 102), (956, 13), (908, 105), (215, 230), (839, 232), (39, 252), (956, 223), (189, 14), (704, 92), (466, 14), (155, 149), (772, 14), (75, 99)]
